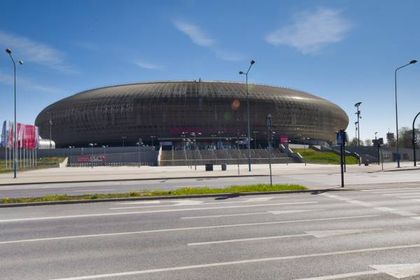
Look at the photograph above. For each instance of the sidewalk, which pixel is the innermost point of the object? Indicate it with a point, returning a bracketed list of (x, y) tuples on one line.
[(128, 173)]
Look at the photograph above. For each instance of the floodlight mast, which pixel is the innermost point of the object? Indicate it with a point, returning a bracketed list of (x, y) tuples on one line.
[(9, 52), (252, 62), (396, 108)]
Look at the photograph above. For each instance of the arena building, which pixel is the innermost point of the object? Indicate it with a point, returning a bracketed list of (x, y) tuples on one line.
[(169, 112)]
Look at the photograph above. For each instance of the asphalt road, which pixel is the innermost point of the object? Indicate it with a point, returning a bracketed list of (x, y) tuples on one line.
[(370, 234), (318, 180)]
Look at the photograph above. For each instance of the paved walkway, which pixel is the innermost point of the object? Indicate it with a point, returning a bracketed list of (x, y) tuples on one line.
[(88, 174)]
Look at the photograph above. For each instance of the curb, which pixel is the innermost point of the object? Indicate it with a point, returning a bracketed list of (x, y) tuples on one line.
[(227, 195), (132, 179)]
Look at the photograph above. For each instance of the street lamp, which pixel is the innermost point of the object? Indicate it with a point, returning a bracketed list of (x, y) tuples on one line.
[(104, 148), (377, 145), (50, 123), (414, 140), (247, 108), (396, 108), (269, 124), (357, 105), (123, 140), (91, 153), (140, 143), (9, 52), (153, 140)]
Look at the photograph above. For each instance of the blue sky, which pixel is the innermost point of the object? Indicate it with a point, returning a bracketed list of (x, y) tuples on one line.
[(344, 51)]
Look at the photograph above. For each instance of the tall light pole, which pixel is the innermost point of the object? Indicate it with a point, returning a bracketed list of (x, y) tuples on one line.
[(139, 143), (50, 123), (357, 105), (247, 108), (377, 145), (396, 108), (91, 153), (414, 140), (9, 51)]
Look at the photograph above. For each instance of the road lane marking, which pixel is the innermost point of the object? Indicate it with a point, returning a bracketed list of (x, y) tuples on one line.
[(396, 211), (248, 239), (317, 234), (91, 190), (389, 190), (259, 199), (222, 216), (185, 202), (342, 276), (245, 214), (184, 229), (402, 213), (398, 271), (337, 232), (204, 204), (230, 206), (402, 194), (140, 202), (240, 262), (149, 212)]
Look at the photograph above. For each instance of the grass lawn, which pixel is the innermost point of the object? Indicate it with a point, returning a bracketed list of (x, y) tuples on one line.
[(312, 156), (176, 192)]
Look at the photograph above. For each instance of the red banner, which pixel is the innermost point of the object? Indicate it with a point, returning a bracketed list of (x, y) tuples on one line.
[(27, 137)]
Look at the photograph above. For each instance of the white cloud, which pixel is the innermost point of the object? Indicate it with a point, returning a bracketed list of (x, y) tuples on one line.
[(228, 55), (198, 36), (147, 65), (35, 52), (29, 85), (311, 31)]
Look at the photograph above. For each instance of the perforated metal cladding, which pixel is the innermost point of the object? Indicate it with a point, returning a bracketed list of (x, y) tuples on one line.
[(166, 109)]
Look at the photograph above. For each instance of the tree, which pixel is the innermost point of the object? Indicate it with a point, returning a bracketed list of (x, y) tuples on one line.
[(405, 137), (353, 142), (368, 142)]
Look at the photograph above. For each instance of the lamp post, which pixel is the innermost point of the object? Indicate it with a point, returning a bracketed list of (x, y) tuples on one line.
[(378, 145), (396, 108), (269, 138), (153, 140), (9, 52), (357, 105), (50, 123), (247, 108), (414, 140), (255, 139), (140, 143), (91, 153), (123, 140), (104, 148)]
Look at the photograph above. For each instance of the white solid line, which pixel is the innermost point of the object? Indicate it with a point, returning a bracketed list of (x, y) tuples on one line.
[(205, 204), (247, 239), (372, 206), (140, 202), (396, 211), (247, 261), (148, 212), (245, 214), (259, 199), (182, 229), (227, 215), (389, 190), (402, 194), (230, 206), (91, 190), (343, 276)]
